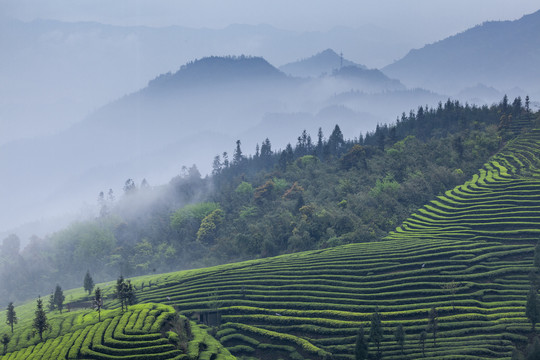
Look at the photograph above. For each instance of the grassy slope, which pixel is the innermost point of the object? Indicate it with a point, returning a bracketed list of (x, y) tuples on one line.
[(480, 236)]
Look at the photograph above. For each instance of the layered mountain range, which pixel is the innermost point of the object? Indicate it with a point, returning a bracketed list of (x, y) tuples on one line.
[(188, 116)]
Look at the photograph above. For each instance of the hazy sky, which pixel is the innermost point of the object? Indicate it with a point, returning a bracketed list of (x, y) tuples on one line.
[(441, 17)]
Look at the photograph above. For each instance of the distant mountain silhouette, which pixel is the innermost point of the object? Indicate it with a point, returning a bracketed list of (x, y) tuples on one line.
[(213, 70), (325, 62), (369, 79), (187, 117), (502, 54)]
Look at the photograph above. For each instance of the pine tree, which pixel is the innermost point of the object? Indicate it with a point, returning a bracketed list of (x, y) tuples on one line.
[(51, 305), (531, 308), (536, 257), (400, 337), (98, 302), (119, 291), (59, 298), (129, 294), (5, 341), (88, 282), (433, 324), (11, 316), (533, 350), (237, 155), (125, 292), (320, 144), (361, 346), (40, 324), (516, 355), (422, 342), (376, 332)]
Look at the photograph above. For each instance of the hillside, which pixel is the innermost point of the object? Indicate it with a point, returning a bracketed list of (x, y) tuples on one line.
[(502, 54), (144, 332), (475, 273), (323, 63), (468, 255), (151, 133)]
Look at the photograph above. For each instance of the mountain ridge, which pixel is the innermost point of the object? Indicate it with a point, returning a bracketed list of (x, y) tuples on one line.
[(501, 54)]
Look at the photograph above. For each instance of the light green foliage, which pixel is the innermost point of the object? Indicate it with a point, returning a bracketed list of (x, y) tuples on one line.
[(192, 212), (385, 186), (187, 220), (244, 191), (209, 226), (110, 339)]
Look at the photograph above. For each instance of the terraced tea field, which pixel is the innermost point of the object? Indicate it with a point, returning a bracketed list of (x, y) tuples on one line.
[(467, 254), (135, 334)]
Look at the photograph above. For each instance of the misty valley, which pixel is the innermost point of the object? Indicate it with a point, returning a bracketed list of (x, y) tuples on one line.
[(321, 209)]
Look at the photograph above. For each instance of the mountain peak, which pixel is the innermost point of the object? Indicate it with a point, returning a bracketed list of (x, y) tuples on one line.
[(325, 62), (219, 69), (501, 54)]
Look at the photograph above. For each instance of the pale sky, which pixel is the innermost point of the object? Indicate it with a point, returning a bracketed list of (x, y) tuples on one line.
[(441, 17)]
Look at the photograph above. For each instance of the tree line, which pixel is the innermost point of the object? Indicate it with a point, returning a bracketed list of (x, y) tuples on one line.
[(315, 193)]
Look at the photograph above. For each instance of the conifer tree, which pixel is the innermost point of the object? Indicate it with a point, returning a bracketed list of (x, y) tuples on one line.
[(119, 291), (98, 302), (5, 341), (361, 346), (51, 305), (532, 310), (376, 332), (516, 355), (237, 155), (399, 335), (533, 350), (11, 318), (536, 258), (125, 292), (88, 282), (59, 298), (433, 324), (40, 324), (422, 342)]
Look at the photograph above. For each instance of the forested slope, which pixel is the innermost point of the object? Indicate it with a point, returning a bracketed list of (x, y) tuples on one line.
[(454, 276), (320, 192), (471, 266)]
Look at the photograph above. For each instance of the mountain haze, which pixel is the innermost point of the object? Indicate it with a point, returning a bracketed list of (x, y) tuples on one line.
[(501, 54), (323, 63), (186, 118)]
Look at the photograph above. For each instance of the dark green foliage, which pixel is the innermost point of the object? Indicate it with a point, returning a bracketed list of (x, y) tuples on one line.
[(51, 305), (11, 316), (125, 293), (40, 323), (399, 335), (376, 332), (97, 302), (347, 190), (361, 346), (422, 342), (58, 298), (5, 341), (533, 350), (532, 310), (88, 282), (517, 355), (433, 324)]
